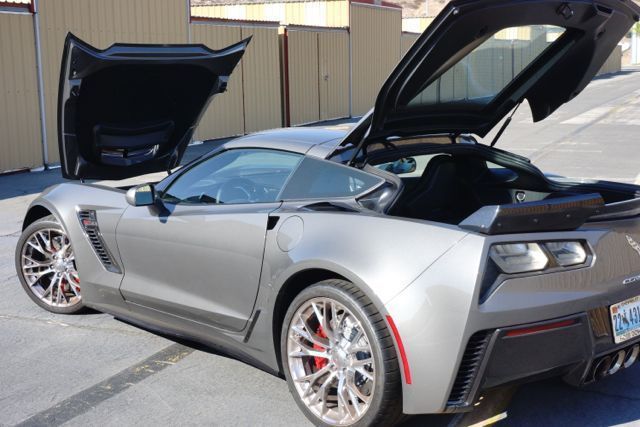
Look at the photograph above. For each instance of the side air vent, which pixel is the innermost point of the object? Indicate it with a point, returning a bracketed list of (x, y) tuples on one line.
[(89, 224), (469, 367)]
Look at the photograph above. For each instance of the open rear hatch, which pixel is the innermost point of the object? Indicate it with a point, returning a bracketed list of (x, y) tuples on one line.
[(481, 58), (132, 109)]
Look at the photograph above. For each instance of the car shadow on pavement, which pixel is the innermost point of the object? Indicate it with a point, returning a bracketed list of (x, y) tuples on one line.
[(611, 401), (549, 403), (623, 72), (553, 403)]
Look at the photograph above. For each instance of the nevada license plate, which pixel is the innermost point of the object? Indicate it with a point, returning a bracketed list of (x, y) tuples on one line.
[(625, 318)]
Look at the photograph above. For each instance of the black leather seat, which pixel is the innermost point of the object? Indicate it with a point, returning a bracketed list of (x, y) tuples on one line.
[(440, 194)]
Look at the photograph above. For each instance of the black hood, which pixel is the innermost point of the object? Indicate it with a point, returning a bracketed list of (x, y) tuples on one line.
[(132, 109), (543, 51)]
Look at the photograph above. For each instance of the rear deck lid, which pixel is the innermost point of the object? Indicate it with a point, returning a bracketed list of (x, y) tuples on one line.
[(480, 58), (132, 109)]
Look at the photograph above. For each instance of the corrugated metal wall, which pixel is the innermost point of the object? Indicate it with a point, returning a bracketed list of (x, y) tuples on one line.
[(304, 99), (375, 50), (225, 115), (326, 13), (101, 23), (333, 79), (253, 99), (262, 79), (19, 112), (318, 74)]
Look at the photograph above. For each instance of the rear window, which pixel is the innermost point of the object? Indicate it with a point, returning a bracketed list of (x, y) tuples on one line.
[(487, 70), (316, 179)]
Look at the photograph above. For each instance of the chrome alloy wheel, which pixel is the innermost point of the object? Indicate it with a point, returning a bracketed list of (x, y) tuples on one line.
[(48, 267), (331, 361)]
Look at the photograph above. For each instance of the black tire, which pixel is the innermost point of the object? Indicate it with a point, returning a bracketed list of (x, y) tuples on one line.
[(49, 222), (385, 408)]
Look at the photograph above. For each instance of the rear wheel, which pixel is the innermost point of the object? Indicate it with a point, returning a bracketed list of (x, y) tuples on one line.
[(46, 267), (339, 358)]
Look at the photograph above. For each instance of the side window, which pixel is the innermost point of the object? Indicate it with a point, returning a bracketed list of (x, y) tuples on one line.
[(233, 177), (316, 179)]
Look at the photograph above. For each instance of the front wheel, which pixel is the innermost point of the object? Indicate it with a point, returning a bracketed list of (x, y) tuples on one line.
[(46, 267), (339, 358)]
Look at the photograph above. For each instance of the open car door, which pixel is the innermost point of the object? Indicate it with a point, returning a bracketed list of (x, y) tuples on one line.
[(132, 109)]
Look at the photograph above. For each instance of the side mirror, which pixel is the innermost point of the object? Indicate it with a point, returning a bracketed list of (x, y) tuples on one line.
[(403, 165), (141, 195)]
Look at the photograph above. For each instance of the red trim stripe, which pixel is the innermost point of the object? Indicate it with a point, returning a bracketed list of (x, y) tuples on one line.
[(403, 354), (540, 328)]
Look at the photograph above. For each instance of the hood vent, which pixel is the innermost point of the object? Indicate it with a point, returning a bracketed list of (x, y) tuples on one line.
[(89, 224)]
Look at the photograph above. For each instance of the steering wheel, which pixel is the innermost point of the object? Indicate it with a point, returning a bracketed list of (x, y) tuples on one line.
[(235, 190)]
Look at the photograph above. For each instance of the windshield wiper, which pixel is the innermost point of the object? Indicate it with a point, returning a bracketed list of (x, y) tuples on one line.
[(504, 125)]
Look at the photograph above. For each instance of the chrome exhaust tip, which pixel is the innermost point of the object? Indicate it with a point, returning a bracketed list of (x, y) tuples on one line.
[(617, 362), (632, 356), (601, 368)]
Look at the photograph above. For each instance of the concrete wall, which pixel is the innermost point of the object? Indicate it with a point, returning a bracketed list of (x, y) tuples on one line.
[(614, 62), (408, 39)]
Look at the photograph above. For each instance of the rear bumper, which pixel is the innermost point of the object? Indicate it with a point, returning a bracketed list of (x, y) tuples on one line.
[(456, 344), (579, 348)]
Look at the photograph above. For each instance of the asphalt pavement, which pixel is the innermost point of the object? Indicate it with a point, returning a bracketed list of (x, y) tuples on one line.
[(92, 369)]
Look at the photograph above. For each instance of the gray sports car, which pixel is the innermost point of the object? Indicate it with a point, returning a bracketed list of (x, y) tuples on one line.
[(398, 266)]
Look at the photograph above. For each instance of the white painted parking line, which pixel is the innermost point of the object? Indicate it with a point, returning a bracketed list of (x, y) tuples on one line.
[(590, 116), (490, 421), (621, 112)]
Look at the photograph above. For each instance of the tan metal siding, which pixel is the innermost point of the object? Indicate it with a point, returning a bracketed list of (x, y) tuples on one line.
[(101, 23), (225, 115), (375, 49), (304, 101), (261, 79), (338, 14), (408, 39), (20, 139), (333, 54)]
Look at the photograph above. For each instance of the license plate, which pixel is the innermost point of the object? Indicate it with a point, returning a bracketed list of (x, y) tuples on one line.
[(625, 318)]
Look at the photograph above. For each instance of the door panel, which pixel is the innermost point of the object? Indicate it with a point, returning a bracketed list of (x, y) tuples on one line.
[(202, 263)]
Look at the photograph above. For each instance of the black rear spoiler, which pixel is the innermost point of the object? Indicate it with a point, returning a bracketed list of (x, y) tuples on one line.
[(564, 213)]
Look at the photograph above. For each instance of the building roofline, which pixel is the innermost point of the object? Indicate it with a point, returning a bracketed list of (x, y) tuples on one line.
[(379, 3), (227, 21)]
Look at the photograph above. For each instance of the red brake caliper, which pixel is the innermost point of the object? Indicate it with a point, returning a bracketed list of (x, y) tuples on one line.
[(320, 362)]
